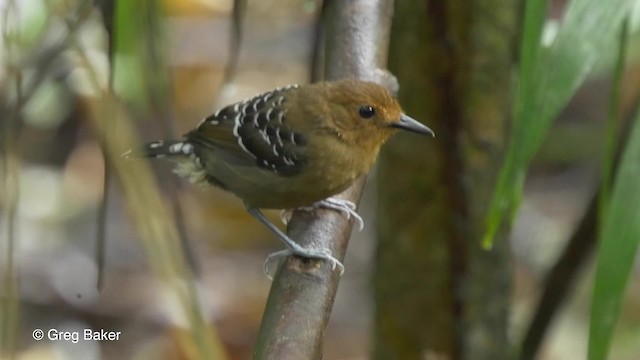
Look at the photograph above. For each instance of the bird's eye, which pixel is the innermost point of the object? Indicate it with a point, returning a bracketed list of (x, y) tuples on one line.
[(366, 111)]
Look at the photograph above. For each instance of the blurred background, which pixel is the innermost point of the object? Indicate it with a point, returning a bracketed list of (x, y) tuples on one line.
[(61, 52)]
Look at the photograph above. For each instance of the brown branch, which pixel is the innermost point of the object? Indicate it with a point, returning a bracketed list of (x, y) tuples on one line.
[(316, 60), (107, 8), (235, 40), (10, 193), (303, 291)]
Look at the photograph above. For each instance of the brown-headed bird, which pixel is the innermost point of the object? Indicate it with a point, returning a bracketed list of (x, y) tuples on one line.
[(291, 147)]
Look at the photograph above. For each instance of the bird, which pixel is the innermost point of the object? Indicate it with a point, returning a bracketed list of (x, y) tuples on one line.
[(289, 148)]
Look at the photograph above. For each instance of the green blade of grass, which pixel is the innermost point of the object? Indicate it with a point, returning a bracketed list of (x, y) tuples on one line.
[(547, 81), (618, 247), (613, 267), (620, 231), (510, 176), (613, 123)]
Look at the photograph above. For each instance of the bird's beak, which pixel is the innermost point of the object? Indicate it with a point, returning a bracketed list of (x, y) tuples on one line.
[(407, 123)]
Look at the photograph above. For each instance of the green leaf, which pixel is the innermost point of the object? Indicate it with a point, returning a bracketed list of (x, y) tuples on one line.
[(547, 81), (618, 247), (613, 122), (620, 233), (511, 176), (612, 272)]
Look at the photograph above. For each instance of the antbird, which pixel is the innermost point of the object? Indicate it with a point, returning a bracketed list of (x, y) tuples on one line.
[(292, 147)]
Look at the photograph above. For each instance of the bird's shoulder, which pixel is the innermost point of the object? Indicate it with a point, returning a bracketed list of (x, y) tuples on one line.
[(256, 132)]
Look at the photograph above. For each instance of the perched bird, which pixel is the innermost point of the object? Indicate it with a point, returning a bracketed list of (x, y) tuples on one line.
[(292, 147)]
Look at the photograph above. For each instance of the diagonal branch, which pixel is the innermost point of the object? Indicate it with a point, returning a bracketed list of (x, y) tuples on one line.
[(303, 292)]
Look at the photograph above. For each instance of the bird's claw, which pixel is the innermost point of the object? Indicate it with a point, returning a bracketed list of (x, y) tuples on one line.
[(323, 254), (344, 206), (285, 216)]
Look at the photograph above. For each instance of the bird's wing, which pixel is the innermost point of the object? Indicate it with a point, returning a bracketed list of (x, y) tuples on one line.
[(254, 132)]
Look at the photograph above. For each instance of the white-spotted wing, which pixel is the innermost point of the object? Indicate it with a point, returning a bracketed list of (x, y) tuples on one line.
[(254, 132)]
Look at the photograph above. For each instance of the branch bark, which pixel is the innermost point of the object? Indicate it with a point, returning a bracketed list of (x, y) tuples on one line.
[(303, 291)]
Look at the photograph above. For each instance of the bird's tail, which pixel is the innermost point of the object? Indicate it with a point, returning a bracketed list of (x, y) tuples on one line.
[(161, 149)]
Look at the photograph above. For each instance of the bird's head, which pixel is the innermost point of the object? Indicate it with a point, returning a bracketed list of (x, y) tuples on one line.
[(364, 112)]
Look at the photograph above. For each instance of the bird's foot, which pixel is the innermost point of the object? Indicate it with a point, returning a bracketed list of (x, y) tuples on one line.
[(285, 216), (293, 247), (323, 254), (346, 207)]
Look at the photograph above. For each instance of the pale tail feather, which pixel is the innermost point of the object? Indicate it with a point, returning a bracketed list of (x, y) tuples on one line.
[(181, 152), (161, 149)]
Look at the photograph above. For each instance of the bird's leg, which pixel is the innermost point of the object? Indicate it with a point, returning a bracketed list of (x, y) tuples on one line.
[(293, 247)]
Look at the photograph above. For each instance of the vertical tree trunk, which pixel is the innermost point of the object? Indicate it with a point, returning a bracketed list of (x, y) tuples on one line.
[(438, 292)]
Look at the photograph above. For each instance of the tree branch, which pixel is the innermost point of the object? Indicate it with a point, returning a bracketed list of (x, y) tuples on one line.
[(303, 290)]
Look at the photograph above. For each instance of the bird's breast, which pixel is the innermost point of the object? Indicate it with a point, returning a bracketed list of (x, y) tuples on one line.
[(326, 173)]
